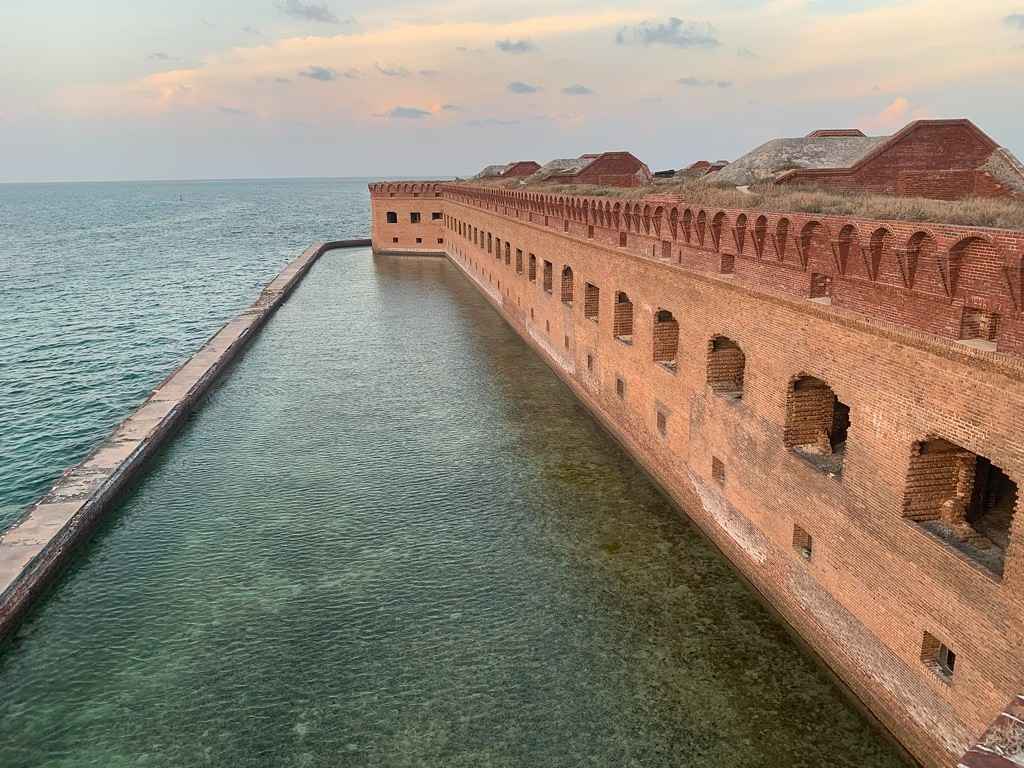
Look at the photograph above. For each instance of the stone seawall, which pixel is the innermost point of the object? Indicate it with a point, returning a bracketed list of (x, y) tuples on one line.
[(35, 549)]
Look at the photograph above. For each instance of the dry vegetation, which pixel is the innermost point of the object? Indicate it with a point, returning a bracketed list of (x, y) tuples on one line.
[(978, 212)]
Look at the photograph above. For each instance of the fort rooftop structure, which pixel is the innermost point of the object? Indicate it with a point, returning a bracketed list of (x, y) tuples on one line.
[(941, 159), (836, 402)]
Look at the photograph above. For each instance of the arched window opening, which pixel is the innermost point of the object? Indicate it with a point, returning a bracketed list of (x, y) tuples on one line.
[(666, 339), (817, 423), (726, 366), (392, 217), (519, 261), (962, 498), (591, 301), (567, 287), (548, 276), (622, 326), (533, 268)]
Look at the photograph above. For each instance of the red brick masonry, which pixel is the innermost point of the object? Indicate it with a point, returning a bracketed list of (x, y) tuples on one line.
[(819, 394)]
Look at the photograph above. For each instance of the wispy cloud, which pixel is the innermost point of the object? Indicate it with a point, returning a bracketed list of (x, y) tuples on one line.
[(491, 121), (351, 73), (428, 73), (695, 82), (451, 108), (520, 88), (746, 53), (231, 110), (250, 30), (160, 56), (310, 11), (323, 74), (392, 71), (515, 46), (675, 32), (407, 113), (577, 90), (1015, 20), (282, 80)]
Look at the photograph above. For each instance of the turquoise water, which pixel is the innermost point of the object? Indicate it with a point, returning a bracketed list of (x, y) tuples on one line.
[(108, 287), (393, 538)]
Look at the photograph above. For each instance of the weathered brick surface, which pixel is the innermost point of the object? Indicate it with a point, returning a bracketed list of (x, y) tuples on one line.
[(876, 580), (940, 159), (403, 200)]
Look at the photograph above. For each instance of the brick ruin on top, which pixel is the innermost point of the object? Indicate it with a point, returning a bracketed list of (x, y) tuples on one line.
[(837, 402), (939, 159)]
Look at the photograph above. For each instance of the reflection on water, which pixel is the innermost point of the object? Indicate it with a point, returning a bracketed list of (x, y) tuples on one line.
[(393, 538)]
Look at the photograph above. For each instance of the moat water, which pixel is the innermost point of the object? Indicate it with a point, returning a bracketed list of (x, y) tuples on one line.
[(392, 537), (108, 287)]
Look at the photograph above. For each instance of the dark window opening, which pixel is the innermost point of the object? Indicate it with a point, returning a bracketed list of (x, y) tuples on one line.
[(392, 217), (821, 286), (414, 217), (620, 387), (590, 363), (718, 470), (938, 657), (977, 324), (548, 270), (662, 421), (394, 239), (533, 268), (622, 239), (802, 542), (666, 339), (726, 365), (435, 216), (963, 499), (519, 261), (567, 285), (622, 327), (591, 301), (817, 423), (419, 239)]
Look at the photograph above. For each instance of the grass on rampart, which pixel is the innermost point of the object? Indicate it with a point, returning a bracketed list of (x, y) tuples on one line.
[(975, 211)]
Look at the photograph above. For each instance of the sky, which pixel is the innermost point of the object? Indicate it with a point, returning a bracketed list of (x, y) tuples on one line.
[(193, 89)]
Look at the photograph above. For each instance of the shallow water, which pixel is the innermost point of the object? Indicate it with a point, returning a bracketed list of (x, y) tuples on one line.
[(392, 537), (106, 288)]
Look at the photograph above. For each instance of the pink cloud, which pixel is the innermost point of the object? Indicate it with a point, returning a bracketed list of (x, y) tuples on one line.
[(893, 117)]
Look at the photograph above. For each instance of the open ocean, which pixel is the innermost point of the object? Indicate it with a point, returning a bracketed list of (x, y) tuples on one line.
[(107, 287)]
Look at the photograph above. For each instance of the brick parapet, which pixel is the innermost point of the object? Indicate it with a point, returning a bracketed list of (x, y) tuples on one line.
[(920, 275)]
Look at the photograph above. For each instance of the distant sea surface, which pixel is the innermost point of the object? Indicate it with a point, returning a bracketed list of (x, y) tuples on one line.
[(108, 287)]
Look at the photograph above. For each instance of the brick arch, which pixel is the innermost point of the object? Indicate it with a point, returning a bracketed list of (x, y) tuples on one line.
[(687, 224), (719, 224), (726, 367), (760, 235), (816, 247), (817, 422), (885, 266), (657, 219), (975, 266), (921, 264), (701, 227), (665, 339), (607, 214), (739, 231), (646, 219), (627, 217), (781, 238), (848, 251), (616, 220), (673, 222)]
